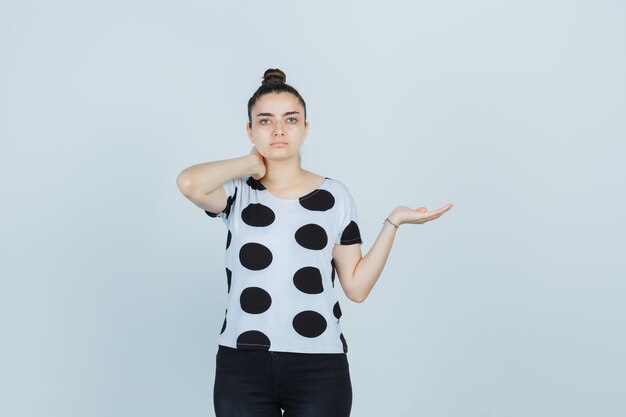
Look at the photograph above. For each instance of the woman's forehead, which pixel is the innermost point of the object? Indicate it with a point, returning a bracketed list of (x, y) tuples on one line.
[(278, 101)]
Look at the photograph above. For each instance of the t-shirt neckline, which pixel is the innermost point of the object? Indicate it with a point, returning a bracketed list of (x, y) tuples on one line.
[(297, 199)]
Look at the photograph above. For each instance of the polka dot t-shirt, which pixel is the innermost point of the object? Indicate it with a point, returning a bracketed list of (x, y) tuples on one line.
[(279, 270)]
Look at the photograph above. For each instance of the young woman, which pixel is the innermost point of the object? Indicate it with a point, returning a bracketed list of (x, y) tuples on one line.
[(290, 231)]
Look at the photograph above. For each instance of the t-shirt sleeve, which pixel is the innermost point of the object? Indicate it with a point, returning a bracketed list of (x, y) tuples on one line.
[(231, 187), (349, 232)]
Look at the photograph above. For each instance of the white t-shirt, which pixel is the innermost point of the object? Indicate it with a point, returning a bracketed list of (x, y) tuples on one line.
[(279, 269)]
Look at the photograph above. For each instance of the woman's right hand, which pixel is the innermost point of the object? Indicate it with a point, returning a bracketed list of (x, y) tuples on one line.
[(259, 168)]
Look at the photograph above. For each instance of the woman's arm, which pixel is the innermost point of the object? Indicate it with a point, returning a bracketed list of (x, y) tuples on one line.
[(202, 183), (357, 273)]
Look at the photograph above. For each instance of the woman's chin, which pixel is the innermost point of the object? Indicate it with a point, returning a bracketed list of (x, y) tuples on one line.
[(280, 158)]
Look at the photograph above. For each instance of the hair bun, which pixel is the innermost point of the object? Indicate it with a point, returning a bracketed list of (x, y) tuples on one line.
[(274, 75)]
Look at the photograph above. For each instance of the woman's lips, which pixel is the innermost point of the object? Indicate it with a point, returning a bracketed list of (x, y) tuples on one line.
[(279, 143)]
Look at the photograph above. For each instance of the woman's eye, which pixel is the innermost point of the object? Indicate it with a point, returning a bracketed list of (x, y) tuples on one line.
[(294, 119), (263, 120)]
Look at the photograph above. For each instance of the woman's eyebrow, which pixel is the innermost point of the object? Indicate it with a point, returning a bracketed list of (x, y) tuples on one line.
[(284, 114)]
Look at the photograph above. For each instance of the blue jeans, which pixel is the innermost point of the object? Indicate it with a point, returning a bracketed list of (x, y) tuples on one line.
[(259, 383)]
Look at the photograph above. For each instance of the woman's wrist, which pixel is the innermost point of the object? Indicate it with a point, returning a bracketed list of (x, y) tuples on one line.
[(392, 222), (256, 166)]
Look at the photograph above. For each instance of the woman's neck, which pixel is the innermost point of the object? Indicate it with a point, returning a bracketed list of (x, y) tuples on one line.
[(282, 174)]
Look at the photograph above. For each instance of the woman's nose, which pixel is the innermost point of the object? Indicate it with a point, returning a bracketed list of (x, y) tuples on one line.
[(278, 130)]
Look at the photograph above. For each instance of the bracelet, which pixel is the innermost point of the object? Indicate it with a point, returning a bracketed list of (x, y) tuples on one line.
[(390, 222)]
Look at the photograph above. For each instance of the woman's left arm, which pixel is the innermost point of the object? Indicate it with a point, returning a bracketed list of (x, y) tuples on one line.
[(358, 274)]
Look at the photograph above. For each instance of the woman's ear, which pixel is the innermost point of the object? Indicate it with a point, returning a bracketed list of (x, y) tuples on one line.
[(249, 131), (306, 129)]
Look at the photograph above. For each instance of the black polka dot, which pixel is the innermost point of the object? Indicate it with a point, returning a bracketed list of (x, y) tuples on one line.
[(351, 234), (255, 256), (230, 202), (308, 280), (332, 274), (343, 342), (224, 325), (228, 239), (318, 200), (255, 300), (258, 215), (312, 236), (255, 184), (309, 323), (337, 310), (229, 275), (253, 339)]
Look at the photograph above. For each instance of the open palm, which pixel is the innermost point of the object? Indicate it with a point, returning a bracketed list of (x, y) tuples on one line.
[(404, 214)]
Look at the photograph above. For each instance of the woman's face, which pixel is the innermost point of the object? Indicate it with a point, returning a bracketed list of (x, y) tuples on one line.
[(278, 128)]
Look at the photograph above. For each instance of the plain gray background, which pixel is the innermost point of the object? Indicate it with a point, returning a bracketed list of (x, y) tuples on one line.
[(512, 304)]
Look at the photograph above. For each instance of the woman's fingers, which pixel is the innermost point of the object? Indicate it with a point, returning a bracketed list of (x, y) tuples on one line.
[(443, 209), (406, 214), (429, 215)]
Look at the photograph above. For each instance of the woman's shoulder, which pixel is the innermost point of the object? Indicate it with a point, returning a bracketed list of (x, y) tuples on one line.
[(326, 179), (322, 181), (336, 186)]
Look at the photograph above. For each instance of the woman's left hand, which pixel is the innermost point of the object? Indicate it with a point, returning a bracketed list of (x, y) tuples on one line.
[(404, 214)]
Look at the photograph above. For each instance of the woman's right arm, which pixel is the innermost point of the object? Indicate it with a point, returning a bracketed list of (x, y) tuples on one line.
[(202, 183)]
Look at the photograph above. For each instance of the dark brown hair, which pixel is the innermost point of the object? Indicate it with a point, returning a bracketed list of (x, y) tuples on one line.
[(273, 82)]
